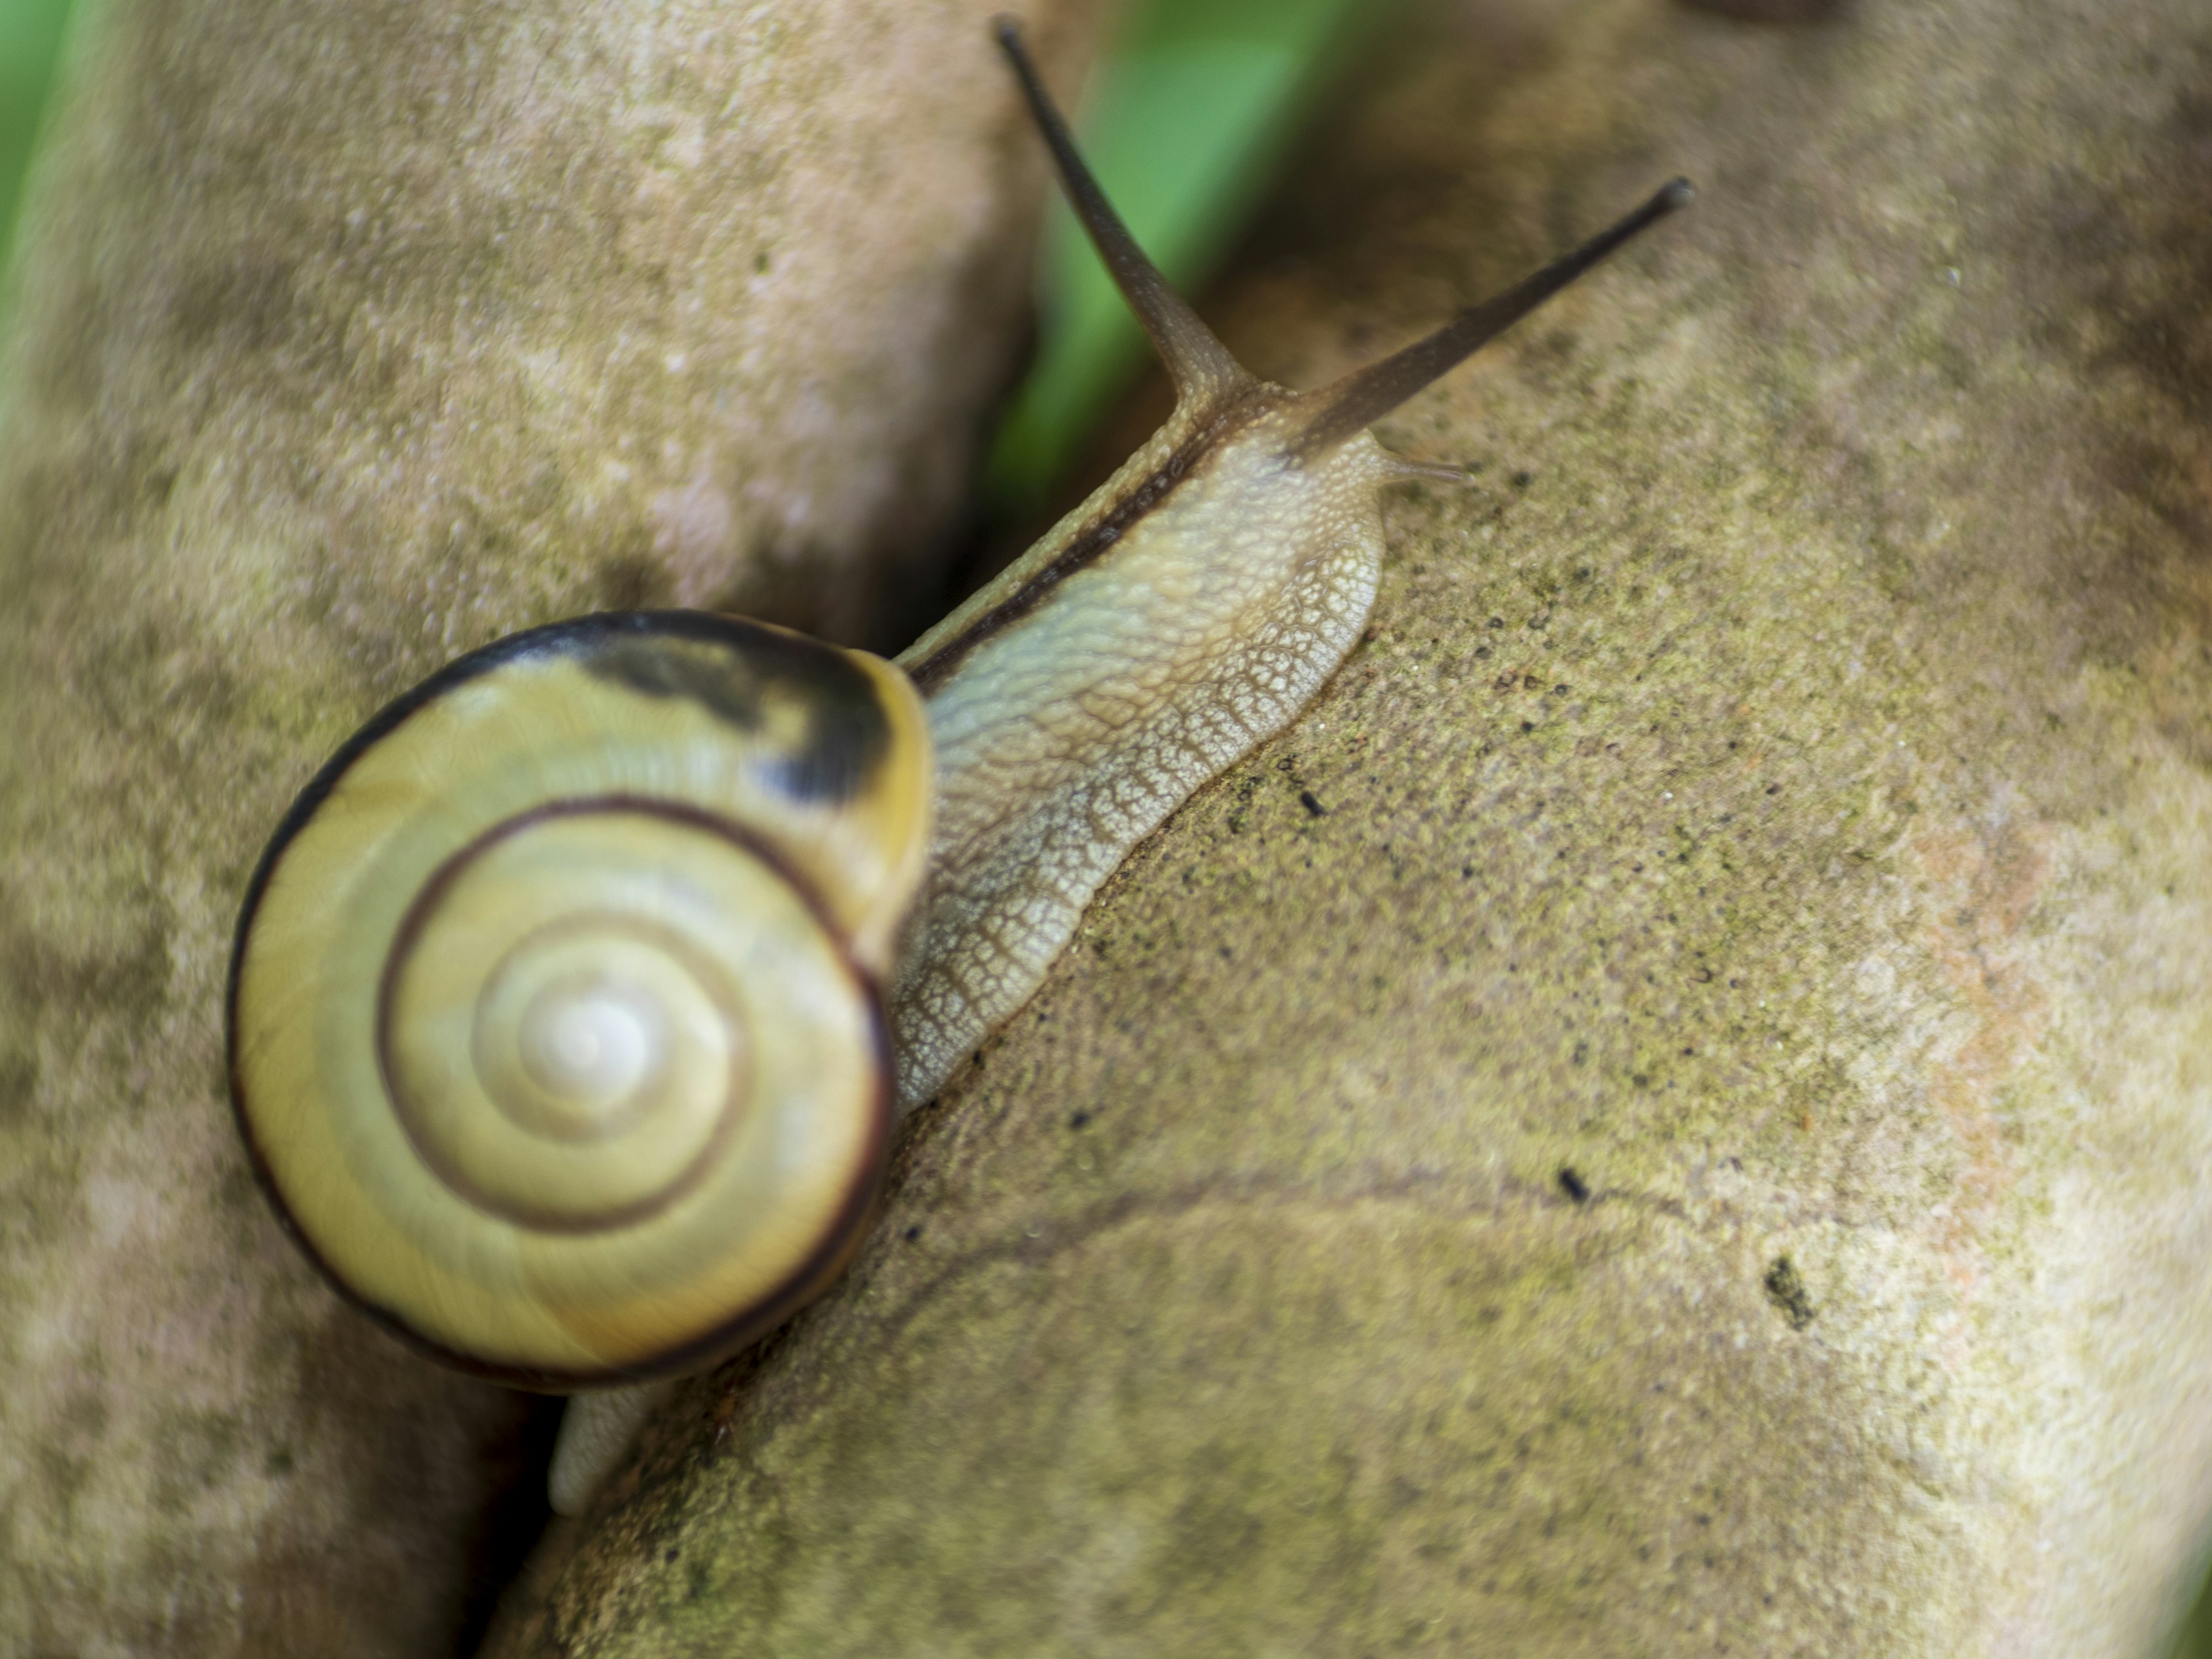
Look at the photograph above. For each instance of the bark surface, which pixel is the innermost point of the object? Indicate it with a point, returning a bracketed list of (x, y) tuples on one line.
[(1667, 1116), (349, 337)]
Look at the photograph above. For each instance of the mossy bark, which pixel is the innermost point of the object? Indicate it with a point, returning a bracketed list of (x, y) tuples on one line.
[(350, 335), (1667, 1116)]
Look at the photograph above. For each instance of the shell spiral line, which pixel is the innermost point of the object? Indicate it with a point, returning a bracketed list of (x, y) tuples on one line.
[(556, 1028)]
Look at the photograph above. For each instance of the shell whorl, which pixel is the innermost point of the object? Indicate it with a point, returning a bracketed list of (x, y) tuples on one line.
[(555, 1021)]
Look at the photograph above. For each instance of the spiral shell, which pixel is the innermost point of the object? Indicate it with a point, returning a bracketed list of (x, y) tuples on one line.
[(555, 1021)]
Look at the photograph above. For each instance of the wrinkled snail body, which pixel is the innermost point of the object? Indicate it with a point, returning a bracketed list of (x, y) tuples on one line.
[(556, 1025)]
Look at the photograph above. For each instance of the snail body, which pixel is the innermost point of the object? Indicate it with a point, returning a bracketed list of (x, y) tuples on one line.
[(557, 1025), (1220, 613)]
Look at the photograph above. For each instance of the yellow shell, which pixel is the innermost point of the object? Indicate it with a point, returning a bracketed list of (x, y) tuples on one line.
[(556, 1021)]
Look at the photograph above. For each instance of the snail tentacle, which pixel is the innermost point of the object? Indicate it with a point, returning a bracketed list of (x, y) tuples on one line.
[(1200, 365)]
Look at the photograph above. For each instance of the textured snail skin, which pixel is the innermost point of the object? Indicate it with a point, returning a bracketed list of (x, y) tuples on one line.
[(1069, 732)]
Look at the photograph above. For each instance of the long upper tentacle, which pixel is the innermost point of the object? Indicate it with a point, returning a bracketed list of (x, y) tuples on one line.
[(1363, 396), (1201, 364)]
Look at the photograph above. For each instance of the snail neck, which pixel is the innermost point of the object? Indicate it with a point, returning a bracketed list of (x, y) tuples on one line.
[(1183, 615), (1179, 452)]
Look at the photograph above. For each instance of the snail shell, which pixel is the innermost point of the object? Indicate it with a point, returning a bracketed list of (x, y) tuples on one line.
[(555, 1013)]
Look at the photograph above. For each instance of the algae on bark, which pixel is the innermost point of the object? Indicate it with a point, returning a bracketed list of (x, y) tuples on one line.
[(1667, 1116)]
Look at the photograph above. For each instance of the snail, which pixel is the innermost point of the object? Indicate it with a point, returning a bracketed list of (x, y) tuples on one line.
[(557, 1026)]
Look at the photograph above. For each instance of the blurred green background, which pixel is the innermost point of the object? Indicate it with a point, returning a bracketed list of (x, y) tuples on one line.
[(1186, 170), (30, 46)]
